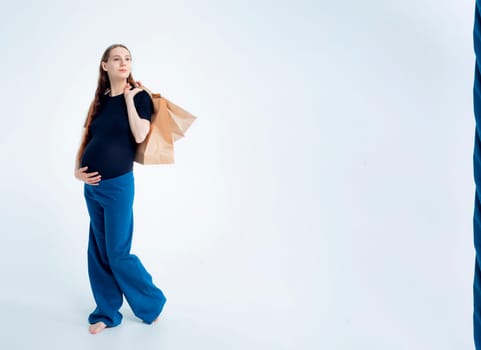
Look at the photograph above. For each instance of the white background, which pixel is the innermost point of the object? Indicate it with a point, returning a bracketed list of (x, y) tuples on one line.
[(322, 200)]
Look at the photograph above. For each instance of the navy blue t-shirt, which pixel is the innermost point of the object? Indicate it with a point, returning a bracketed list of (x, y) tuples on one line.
[(111, 146)]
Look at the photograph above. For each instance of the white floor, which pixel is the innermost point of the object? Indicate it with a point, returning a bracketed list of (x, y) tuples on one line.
[(185, 323)]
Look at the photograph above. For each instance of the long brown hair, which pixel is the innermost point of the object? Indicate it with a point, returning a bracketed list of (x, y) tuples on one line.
[(103, 86)]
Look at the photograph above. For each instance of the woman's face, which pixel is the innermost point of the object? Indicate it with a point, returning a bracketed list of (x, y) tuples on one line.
[(119, 63)]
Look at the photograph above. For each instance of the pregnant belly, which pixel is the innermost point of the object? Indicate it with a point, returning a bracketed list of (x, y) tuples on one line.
[(105, 156)]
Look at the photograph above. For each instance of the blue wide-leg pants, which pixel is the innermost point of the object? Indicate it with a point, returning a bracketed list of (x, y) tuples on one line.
[(113, 271)]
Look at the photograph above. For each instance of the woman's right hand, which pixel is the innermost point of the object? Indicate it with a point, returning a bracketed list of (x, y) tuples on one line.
[(88, 178)]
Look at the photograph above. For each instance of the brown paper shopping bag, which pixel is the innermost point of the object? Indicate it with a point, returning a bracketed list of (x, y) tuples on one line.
[(168, 124)]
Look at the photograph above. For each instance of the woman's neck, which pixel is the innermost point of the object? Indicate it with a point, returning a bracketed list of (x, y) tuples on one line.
[(117, 87)]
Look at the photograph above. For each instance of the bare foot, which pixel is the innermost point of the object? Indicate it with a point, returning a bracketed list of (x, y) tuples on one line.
[(97, 327)]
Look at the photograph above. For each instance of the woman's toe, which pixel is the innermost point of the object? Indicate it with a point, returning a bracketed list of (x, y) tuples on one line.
[(97, 327)]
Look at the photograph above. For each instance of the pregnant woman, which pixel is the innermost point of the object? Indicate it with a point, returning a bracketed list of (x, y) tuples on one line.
[(118, 119)]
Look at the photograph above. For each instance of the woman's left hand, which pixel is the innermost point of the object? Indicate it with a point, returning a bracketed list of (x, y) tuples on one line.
[(131, 93)]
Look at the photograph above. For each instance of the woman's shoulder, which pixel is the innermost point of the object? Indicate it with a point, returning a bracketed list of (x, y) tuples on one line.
[(142, 97), (143, 94)]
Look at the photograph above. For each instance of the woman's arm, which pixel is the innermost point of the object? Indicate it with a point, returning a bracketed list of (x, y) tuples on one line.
[(140, 127)]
